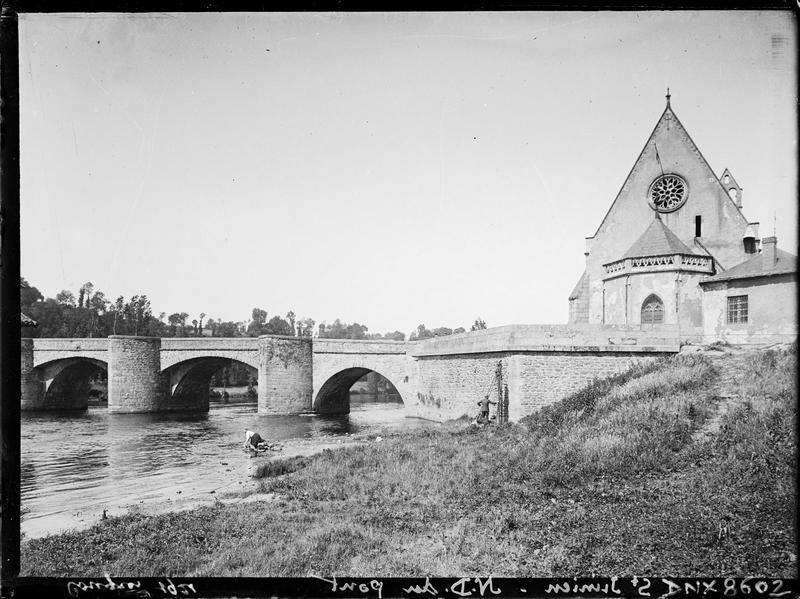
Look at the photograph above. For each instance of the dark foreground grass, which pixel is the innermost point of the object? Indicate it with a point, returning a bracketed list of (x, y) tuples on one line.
[(640, 474)]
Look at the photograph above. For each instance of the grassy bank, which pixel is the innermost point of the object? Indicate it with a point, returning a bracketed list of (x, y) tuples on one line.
[(682, 467)]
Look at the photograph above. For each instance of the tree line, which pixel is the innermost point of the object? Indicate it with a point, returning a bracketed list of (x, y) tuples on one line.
[(91, 314)]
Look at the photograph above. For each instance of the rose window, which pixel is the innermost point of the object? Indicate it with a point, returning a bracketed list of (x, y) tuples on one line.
[(668, 193)]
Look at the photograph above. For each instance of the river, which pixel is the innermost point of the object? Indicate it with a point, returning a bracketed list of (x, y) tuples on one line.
[(77, 466)]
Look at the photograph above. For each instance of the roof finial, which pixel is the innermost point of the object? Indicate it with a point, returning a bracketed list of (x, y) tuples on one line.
[(668, 97)]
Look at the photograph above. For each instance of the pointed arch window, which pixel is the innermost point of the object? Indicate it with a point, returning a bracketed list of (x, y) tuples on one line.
[(653, 310)]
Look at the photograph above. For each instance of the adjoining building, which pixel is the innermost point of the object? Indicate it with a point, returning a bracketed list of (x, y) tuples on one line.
[(675, 249)]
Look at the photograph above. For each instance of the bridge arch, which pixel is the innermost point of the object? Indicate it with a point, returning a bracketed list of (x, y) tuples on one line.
[(333, 396), (187, 382), (65, 383)]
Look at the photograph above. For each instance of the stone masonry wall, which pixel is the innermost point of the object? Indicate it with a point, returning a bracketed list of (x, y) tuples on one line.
[(32, 387), (285, 379), (48, 350), (772, 310), (135, 383), (176, 349), (538, 380), (451, 386), (346, 365), (438, 378)]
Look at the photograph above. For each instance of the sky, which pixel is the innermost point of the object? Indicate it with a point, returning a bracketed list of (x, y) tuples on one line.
[(388, 169)]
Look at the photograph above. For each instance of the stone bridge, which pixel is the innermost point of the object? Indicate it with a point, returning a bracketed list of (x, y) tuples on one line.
[(437, 378)]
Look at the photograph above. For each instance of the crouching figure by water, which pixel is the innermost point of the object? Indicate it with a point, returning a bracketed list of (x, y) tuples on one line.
[(255, 443)]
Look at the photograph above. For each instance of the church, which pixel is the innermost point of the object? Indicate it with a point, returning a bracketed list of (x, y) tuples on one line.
[(675, 249)]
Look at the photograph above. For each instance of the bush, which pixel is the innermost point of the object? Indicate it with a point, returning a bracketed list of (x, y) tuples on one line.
[(280, 466)]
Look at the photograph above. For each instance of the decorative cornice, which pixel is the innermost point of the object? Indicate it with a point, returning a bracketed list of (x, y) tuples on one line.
[(662, 263)]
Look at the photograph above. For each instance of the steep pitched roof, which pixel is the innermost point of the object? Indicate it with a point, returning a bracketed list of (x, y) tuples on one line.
[(27, 321), (785, 263), (668, 119), (579, 287), (657, 240), (733, 182)]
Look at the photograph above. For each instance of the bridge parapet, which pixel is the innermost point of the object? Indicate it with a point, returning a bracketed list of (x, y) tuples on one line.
[(538, 364), (551, 338), (85, 344), (180, 349), (47, 350), (359, 346), (208, 343)]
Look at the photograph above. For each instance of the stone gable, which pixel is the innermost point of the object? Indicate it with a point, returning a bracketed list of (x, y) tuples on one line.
[(668, 151)]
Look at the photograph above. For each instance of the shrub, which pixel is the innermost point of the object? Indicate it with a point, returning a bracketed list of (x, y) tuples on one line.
[(280, 466)]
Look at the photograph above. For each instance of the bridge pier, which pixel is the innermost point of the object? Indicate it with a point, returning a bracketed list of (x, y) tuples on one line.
[(135, 383), (285, 369), (32, 387)]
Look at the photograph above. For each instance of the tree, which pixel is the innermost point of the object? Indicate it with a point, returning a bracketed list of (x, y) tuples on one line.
[(257, 325), (84, 293), (442, 331), (278, 326), (479, 324), (212, 324), (49, 315), (227, 329), (340, 330), (335, 330), (356, 331), (66, 298), (194, 326), (395, 336), (98, 307), (184, 317), (28, 295), (174, 321), (119, 317), (290, 316), (459, 330), (422, 332), (305, 327), (202, 316), (95, 305), (139, 315)]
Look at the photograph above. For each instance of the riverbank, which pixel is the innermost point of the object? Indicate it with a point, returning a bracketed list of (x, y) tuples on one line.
[(180, 497), (685, 467)]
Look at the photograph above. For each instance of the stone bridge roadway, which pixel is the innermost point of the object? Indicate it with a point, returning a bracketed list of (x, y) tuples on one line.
[(437, 379)]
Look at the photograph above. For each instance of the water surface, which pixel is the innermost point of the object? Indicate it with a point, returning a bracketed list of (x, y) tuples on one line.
[(76, 465)]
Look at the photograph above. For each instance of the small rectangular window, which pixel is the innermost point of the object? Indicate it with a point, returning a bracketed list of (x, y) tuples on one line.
[(698, 226), (737, 309)]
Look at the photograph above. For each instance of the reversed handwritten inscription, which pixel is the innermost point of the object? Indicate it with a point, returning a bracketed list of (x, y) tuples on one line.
[(663, 588), (351, 587), (452, 588), (130, 588), (463, 587), (606, 588), (483, 587), (417, 589), (125, 588)]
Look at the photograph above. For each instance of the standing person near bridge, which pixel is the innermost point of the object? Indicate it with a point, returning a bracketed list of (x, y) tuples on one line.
[(483, 417)]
